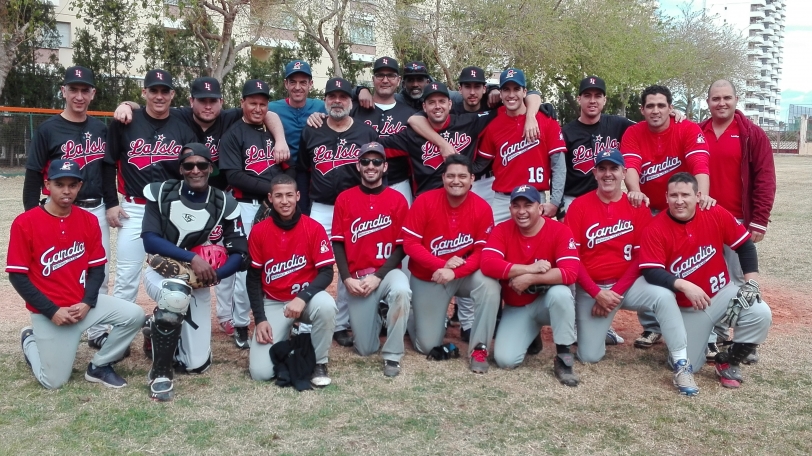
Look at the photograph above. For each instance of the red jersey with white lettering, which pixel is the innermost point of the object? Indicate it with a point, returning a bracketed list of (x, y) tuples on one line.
[(508, 246), (693, 250), (369, 225), (55, 252), (517, 161), (658, 156), (434, 232), (289, 259), (607, 234), (725, 167)]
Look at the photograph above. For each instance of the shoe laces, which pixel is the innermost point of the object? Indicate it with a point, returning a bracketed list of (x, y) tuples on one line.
[(684, 375)]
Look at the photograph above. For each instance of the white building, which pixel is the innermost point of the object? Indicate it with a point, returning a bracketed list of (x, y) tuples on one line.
[(762, 21)]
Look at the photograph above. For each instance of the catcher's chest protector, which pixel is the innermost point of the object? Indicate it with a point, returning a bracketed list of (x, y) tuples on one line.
[(189, 224)]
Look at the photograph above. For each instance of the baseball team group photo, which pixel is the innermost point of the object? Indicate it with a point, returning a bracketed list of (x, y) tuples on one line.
[(404, 265)]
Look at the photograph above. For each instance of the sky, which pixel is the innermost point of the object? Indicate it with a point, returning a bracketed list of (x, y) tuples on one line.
[(795, 86)]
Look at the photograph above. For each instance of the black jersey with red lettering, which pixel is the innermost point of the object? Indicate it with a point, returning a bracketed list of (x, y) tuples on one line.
[(146, 150), (584, 143), (249, 148), (389, 122), (461, 131), (330, 157), (211, 137), (83, 142)]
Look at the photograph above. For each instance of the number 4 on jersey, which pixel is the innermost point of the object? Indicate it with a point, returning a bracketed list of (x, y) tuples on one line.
[(82, 278)]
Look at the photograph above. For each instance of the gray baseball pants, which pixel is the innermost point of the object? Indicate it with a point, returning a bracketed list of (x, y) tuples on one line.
[(366, 323)]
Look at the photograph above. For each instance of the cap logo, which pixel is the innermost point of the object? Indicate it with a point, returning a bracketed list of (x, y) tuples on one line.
[(415, 66), (66, 166), (473, 73), (297, 65), (78, 73), (523, 188), (591, 80), (510, 73), (434, 86), (386, 61), (259, 85), (606, 154), (338, 83), (207, 86), (159, 76)]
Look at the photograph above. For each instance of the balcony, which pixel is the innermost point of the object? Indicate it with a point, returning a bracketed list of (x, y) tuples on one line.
[(758, 15), (758, 3), (757, 39), (756, 27)]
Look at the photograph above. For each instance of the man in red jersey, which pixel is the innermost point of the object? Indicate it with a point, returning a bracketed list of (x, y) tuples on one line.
[(56, 263), (535, 260), (291, 265), (443, 235), (517, 160), (681, 250), (655, 150), (607, 229), (367, 223)]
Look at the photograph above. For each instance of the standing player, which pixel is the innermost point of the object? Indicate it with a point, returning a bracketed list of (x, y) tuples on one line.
[(142, 152), (682, 250), (367, 224), (516, 160), (249, 164), (56, 263), (741, 161), (329, 155), (291, 265), (179, 219), (443, 235), (73, 135), (536, 261), (607, 230), (415, 78), (654, 151)]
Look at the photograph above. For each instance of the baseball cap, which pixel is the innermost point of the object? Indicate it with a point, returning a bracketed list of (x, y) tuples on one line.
[(338, 85), (386, 62), (525, 191), (297, 66), (79, 75), (472, 74), (512, 75), (610, 155), (64, 168), (256, 87), (415, 68), (156, 78), (435, 87), (592, 82), (372, 148), (193, 149), (206, 88)]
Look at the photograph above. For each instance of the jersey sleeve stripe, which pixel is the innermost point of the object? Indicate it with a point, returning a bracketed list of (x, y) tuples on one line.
[(98, 261), (484, 154), (494, 250), (481, 241), (569, 258), (696, 152), (740, 241), (756, 225), (651, 265), (255, 264), (633, 155), (17, 268), (412, 233), (337, 237), (557, 150), (325, 262)]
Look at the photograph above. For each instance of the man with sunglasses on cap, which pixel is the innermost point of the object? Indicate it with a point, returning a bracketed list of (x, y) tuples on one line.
[(249, 163), (56, 263), (180, 217), (367, 244), (73, 135)]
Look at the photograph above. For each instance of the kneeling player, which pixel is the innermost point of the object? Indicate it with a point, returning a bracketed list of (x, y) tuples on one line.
[(683, 250), (291, 265), (368, 247), (535, 260), (178, 220), (607, 229), (56, 263)]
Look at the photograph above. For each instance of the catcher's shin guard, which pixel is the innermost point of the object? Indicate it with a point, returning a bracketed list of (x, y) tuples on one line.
[(739, 352), (165, 333)]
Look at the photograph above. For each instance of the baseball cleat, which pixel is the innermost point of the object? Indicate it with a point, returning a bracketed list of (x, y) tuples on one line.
[(26, 332), (647, 339), (391, 368), (104, 375), (730, 376), (535, 346), (241, 337), (161, 389), (562, 368), (227, 327), (684, 378), (613, 338), (479, 359), (343, 338), (320, 377)]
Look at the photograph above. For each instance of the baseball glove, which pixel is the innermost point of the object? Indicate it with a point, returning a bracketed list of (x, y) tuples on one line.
[(749, 294), (174, 269), (443, 352)]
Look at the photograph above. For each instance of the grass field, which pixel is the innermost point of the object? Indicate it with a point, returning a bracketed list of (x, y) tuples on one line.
[(624, 405)]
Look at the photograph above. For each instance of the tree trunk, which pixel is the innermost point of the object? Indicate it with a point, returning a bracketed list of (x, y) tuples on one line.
[(333, 53), (9, 51), (624, 101)]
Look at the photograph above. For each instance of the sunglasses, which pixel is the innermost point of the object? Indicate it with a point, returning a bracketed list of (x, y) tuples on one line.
[(202, 166), (375, 161)]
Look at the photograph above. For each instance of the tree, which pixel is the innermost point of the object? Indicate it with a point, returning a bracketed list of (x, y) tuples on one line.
[(32, 82), (21, 21), (177, 52), (330, 25)]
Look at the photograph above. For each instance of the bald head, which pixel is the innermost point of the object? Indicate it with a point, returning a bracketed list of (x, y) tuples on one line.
[(722, 102), (721, 83)]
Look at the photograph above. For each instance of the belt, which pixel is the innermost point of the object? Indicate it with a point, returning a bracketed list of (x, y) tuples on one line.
[(248, 200), (504, 193), (605, 283), (486, 175), (88, 203), (135, 200), (363, 273)]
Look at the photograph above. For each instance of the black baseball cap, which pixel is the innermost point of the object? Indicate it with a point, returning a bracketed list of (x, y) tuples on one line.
[(372, 148), (386, 62), (193, 149), (473, 74), (610, 155), (64, 168), (526, 191), (156, 78), (415, 69), (338, 85), (206, 88), (79, 75), (435, 87), (256, 87), (297, 66), (592, 82)]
